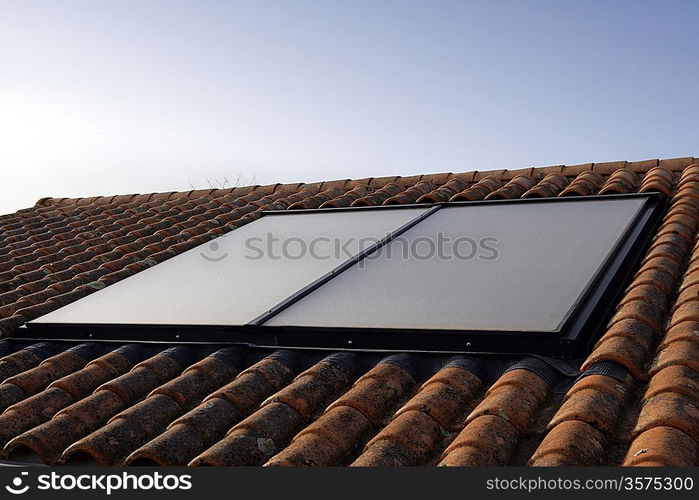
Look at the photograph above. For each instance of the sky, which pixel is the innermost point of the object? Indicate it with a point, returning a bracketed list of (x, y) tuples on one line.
[(112, 97)]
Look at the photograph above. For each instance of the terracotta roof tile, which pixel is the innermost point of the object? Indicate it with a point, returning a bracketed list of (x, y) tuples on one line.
[(542, 172), (327, 441), (65, 391), (349, 420), (347, 198), (379, 196), (573, 442), (513, 189), (18, 362), (314, 201), (620, 181), (551, 185), (140, 405), (206, 424), (34, 380), (420, 425), (608, 168), (670, 409), (268, 430), (503, 175), (515, 398), (444, 192), (379, 182), (659, 180), (642, 166), (411, 195), (486, 441), (677, 164), (478, 191), (663, 446), (596, 400)]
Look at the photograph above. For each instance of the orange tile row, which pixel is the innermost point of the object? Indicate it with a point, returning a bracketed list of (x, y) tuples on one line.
[(269, 429), (669, 416), (603, 168), (200, 428), (593, 407), (49, 439)]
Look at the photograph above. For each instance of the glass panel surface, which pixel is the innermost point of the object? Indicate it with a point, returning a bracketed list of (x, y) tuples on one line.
[(498, 267)]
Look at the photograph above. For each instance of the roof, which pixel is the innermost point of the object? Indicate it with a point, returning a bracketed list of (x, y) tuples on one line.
[(635, 400)]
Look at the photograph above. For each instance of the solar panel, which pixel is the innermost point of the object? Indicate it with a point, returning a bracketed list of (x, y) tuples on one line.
[(509, 267), (238, 276), (530, 275)]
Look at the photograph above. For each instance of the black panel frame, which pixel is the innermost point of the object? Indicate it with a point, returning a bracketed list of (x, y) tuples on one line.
[(576, 335)]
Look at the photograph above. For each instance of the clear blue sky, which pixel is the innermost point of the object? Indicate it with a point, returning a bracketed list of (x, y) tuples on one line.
[(102, 97)]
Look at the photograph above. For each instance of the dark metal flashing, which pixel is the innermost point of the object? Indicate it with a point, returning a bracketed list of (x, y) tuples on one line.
[(607, 368)]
